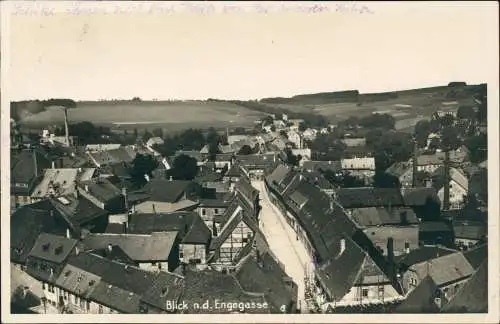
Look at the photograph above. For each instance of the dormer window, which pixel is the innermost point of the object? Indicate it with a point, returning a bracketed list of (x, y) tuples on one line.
[(46, 246)]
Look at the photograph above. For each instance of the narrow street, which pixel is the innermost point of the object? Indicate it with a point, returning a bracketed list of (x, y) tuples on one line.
[(283, 241)]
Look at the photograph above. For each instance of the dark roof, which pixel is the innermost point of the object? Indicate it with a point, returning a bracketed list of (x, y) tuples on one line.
[(206, 174), (52, 248), (419, 196), (435, 226), (278, 175), (465, 230), (166, 190), (116, 254), (78, 211), (334, 166), (266, 276), (192, 230), (421, 299), (140, 248), (369, 197), (234, 171), (121, 169), (466, 214), (317, 179), (25, 167), (202, 286), (375, 216), (260, 161), (473, 296), (422, 254), (101, 189), (477, 255), (119, 299), (115, 228), (244, 187), (27, 223), (224, 157), (167, 286), (399, 168), (339, 274)]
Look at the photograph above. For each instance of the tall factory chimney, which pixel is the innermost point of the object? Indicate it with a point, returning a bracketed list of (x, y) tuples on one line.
[(414, 163), (446, 198), (66, 128)]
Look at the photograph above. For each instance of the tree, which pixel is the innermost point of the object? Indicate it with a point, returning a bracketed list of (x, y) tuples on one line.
[(147, 135), (158, 132), (466, 112), (245, 150), (273, 128), (142, 165), (136, 133), (184, 168), (478, 147), (302, 126), (268, 120), (446, 120), (450, 139), (291, 158), (283, 133), (422, 131)]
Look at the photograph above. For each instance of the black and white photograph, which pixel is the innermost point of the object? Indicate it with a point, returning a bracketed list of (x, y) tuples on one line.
[(250, 161)]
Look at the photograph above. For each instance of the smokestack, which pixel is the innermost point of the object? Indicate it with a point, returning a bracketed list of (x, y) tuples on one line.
[(68, 234), (414, 163), (446, 198), (66, 128)]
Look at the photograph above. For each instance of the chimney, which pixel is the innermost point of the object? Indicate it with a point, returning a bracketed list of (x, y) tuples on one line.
[(68, 233), (87, 188), (66, 129), (77, 250), (53, 164), (390, 250), (125, 198), (170, 179), (110, 248), (446, 198), (342, 248), (414, 163)]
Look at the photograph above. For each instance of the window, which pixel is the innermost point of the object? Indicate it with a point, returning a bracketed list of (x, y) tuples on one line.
[(82, 303), (203, 212), (365, 292), (88, 306), (44, 286), (181, 254), (100, 309), (216, 211)]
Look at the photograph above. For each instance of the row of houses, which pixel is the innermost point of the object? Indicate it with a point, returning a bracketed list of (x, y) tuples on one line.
[(357, 239)]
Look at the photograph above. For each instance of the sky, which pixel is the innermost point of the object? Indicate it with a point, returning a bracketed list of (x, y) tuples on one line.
[(55, 52)]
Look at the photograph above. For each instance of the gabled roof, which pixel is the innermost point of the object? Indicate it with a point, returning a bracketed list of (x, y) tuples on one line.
[(316, 178), (52, 248), (422, 254), (278, 175), (140, 248), (445, 269), (27, 223), (340, 272), (101, 189), (264, 275), (245, 188), (415, 197), (421, 299), (477, 255), (376, 216), (194, 154), (166, 190), (198, 233), (473, 296), (464, 230), (435, 226), (235, 171), (56, 182), (369, 197), (165, 207), (399, 168), (122, 154), (322, 165), (78, 211), (203, 286), (25, 166)]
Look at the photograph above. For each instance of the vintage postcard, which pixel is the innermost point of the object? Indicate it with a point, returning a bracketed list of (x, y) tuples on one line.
[(249, 161)]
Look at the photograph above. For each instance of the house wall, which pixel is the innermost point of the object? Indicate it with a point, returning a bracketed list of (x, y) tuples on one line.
[(154, 266), (464, 242), (191, 252), (457, 195), (411, 279), (361, 294), (238, 239), (451, 289), (18, 201), (207, 214), (406, 179), (73, 302), (367, 163), (428, 168)]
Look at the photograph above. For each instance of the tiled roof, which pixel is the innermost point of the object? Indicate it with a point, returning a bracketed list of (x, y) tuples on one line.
[(78, 211), (399, 168), (122, 154), (24, 169), (322, 165), (52, 248), (354, 141), (116, 254), (339, 273), (445, 269), (166, 190), (202, 286), (165, 207), (27, 223), (418, 196), (279, 174), (244, 187), (56, 182), (421, 299), (477, 255), (140, 248), (101, 189), (266, 276), (422, 254), (375, 216), (198, 232), (400, 235), (194, 154), (469, 231), (369, 197), (434, 226), (473, 296), (318, 180)]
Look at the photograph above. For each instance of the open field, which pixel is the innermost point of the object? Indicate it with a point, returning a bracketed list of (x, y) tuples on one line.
[(150, 115)]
